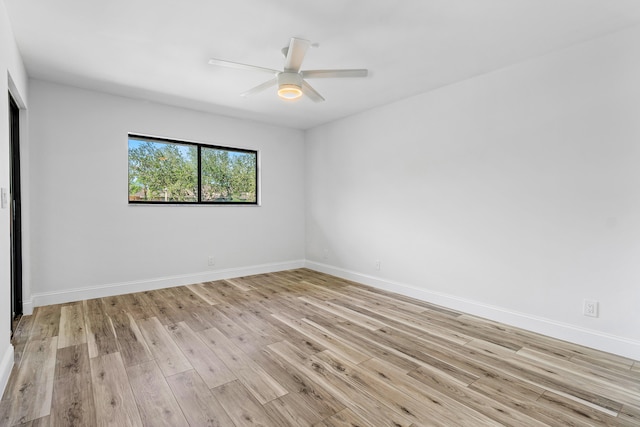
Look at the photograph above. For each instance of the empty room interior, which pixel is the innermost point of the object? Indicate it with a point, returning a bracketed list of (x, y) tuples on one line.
[(337, 213)]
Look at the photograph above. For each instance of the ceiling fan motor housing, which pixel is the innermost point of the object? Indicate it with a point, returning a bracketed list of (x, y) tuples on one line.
[(289, 78)]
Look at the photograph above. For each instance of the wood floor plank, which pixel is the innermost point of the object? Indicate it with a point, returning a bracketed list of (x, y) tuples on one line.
[(518, 336), (302, 341), (606, 367), (285, 302), (187, 307), (224, 324), (198, 405), (554, 380), (469, 327), (360, 402), (199, 319), (326, 338), (260, 320), (114, 304), (509, 386), (114, 402), (224, 291), (165, 351), (345, 418), (138, 305), (620, 388), (72, 326), (295, 381), (6, 412), (249, 414), (32, 402), (292, 409), (210, 368), (424, 326), (40, 422), (365, 341), (322, 292), (100, 334), (514, 394), (21, 335), (378, 313), (630, 415), (156, 402), (350, 315), (428, 355), (477, 401), (580, 414), (261, 385), (396, 299), (392, 302), (72, 360), (253, 342), (330, 293), (435, 402), (163, 310), (409, 347), (484, 364), (207, 296), (133, 348), (46, 322), (241, 283), (29, 392), (307, 309), (73, 404), (186, 298), (251, 316), (395, 397)]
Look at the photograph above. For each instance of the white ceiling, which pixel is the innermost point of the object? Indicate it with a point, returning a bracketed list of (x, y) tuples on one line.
[(158, 49)]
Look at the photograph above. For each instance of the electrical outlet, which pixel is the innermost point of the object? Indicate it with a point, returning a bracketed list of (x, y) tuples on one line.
[(377, 264), (211, 261), (590, 308)]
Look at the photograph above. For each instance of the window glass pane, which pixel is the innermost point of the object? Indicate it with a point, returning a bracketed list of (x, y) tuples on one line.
[(162, 171), (228, 175)]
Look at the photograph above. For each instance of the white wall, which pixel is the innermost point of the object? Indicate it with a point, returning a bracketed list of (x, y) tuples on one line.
[(11, 71), (513, 195), (87, 241)]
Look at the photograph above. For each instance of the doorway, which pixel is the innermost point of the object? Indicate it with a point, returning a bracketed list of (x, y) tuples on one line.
[(15, 213)]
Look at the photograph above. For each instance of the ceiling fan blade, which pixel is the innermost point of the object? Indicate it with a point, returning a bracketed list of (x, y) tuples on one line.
[(261, 87), (237, 65), (311, 92), (295, 54), (316, 74)]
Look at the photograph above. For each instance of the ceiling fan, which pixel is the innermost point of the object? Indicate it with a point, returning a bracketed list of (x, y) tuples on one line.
[(291, 81)]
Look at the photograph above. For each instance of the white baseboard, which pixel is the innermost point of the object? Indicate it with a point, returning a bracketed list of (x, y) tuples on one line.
[(594, 339), (70, 295), (6, 364), (27, 307)]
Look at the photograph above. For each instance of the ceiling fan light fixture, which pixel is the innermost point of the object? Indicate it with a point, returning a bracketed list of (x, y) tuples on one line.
[(289, 92)]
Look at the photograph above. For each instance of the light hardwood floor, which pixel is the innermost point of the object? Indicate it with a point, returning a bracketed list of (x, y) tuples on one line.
[(300, 348)]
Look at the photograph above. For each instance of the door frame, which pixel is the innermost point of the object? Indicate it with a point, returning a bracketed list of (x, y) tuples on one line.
[(15, 206)]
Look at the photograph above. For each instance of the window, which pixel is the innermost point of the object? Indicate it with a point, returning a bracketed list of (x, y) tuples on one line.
[(163, 171)]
